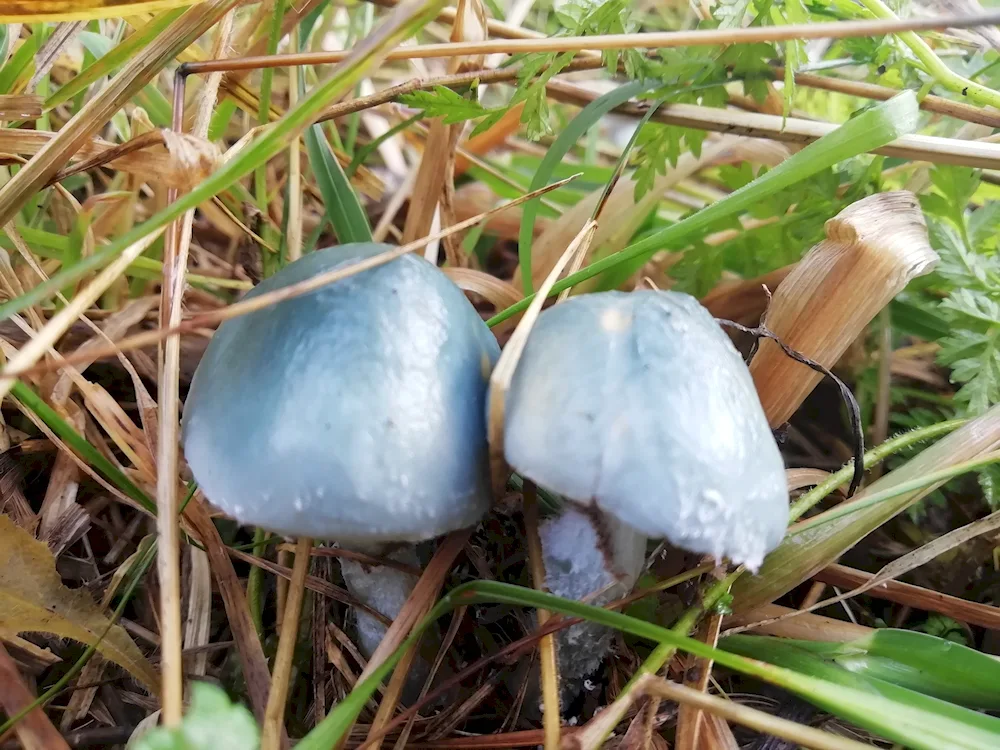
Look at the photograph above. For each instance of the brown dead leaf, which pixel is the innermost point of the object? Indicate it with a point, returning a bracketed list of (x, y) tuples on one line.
[(34, 599)]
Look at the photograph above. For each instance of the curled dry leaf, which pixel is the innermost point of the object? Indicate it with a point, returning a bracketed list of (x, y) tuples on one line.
[(873, 248), (33, 599), (497, 292)]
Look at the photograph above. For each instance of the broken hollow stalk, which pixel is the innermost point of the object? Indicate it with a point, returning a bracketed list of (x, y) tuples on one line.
[(874, 247)]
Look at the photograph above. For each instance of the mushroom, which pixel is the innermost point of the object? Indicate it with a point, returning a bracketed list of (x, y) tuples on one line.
[(353, 413), (638, 408)]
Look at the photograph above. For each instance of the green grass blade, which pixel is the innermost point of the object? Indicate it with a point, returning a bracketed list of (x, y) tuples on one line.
[(870, 130), (114, 59), (900, 715), (808, 548), (586, 119), (405, 20), (946, 724), (78, 443), (921, 662), (343, 209)]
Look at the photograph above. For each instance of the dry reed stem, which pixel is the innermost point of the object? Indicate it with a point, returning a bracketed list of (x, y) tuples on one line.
[(198, 322), (749, 717), (744, 301), (917, 597), (275, 713), (34, 731), (135, 74), (689, 716), (20, 106), (644, 40), (252, 659), (874, 247), (549, 666), (175, 261), (791, 129)]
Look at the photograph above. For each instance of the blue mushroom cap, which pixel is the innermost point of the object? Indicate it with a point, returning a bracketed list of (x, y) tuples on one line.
[(355, 412), (639, 403)]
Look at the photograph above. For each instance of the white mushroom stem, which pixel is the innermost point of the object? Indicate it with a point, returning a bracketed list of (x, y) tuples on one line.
[(384, 589), (588, 556)]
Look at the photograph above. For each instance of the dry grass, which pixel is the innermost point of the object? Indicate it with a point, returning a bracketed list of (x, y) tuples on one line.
[(110, 347)]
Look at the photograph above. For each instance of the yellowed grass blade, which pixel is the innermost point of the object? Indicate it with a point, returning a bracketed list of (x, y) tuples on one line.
[(14, 11)]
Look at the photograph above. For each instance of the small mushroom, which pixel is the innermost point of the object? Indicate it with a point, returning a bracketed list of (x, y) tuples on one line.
[(638, 406), (353, 413)]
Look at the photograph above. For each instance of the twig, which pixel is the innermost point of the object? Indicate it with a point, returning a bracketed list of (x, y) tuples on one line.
[(546, 645), (750, 717), (649, 40), (175, 257), (274, 715), (791, 129)]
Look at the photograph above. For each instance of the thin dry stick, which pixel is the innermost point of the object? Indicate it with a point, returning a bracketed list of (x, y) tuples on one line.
[(791, 129), (175, 256), (199, 322), (275, 713), (897, 567), (651, 40), (293, 240), (749, 717), (547, 643)]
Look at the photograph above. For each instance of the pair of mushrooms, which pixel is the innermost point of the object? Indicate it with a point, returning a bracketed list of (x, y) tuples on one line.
[(357, 413)]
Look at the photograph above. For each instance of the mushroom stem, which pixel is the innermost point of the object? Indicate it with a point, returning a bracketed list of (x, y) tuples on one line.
[(589, 556), (384, 589), (874, 247)]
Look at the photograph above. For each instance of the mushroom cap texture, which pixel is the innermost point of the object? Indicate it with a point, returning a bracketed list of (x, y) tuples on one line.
[(355, 412), (639, 403)]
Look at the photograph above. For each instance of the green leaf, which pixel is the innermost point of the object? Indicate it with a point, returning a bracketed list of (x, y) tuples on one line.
[(213, 723), (870, 130), (924, 663), (932, 713), (343, 209), (444, 102)]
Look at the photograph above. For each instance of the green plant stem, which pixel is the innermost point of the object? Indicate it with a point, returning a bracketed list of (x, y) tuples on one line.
[(877, 454), (902, 488), (981, 95), (900, 715), (255, 583), (687, 622)]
